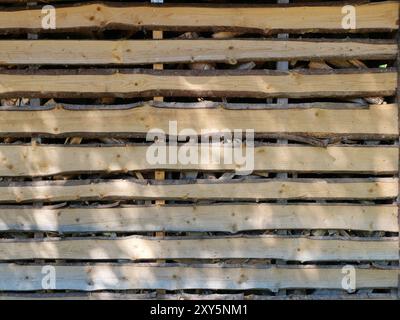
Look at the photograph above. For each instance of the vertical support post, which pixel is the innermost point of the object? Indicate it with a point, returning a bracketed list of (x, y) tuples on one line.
[(282, 66), (35, 103), (158, 174), (33, 36)]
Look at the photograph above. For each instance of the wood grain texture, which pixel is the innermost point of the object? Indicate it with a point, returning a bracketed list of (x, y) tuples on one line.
[(24, 160), (36, 160), (82, 52), (301, 189), (136, 276), (235, 247), (202, 218), (259, 83), (375, 120), (292, 19)]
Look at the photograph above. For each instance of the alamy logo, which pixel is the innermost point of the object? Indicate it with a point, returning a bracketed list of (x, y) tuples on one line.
[(349, 278), (349, 18), (49, 277), (48, 17), (224, 147)]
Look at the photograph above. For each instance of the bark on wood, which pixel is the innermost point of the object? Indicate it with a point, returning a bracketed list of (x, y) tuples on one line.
[(376, 120), (300, 18), (265, 189)]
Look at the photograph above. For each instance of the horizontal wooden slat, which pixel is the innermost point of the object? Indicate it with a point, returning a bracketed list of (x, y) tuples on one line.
[(377, 120), (36, 160), (176, 277), (72, 190), (261, 83), (226, 217), (128, 296), (81, 52), (296, 18), (238, 247), (82, 295)]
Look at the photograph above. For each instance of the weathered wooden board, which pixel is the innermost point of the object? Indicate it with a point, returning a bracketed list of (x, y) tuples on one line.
[(36, 160), (294, 19), (82, 52), (15, 277), (235, 247), (222, 217), (258, 83), (312, 124), (260, 189), (112, 295), (377, 120)]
